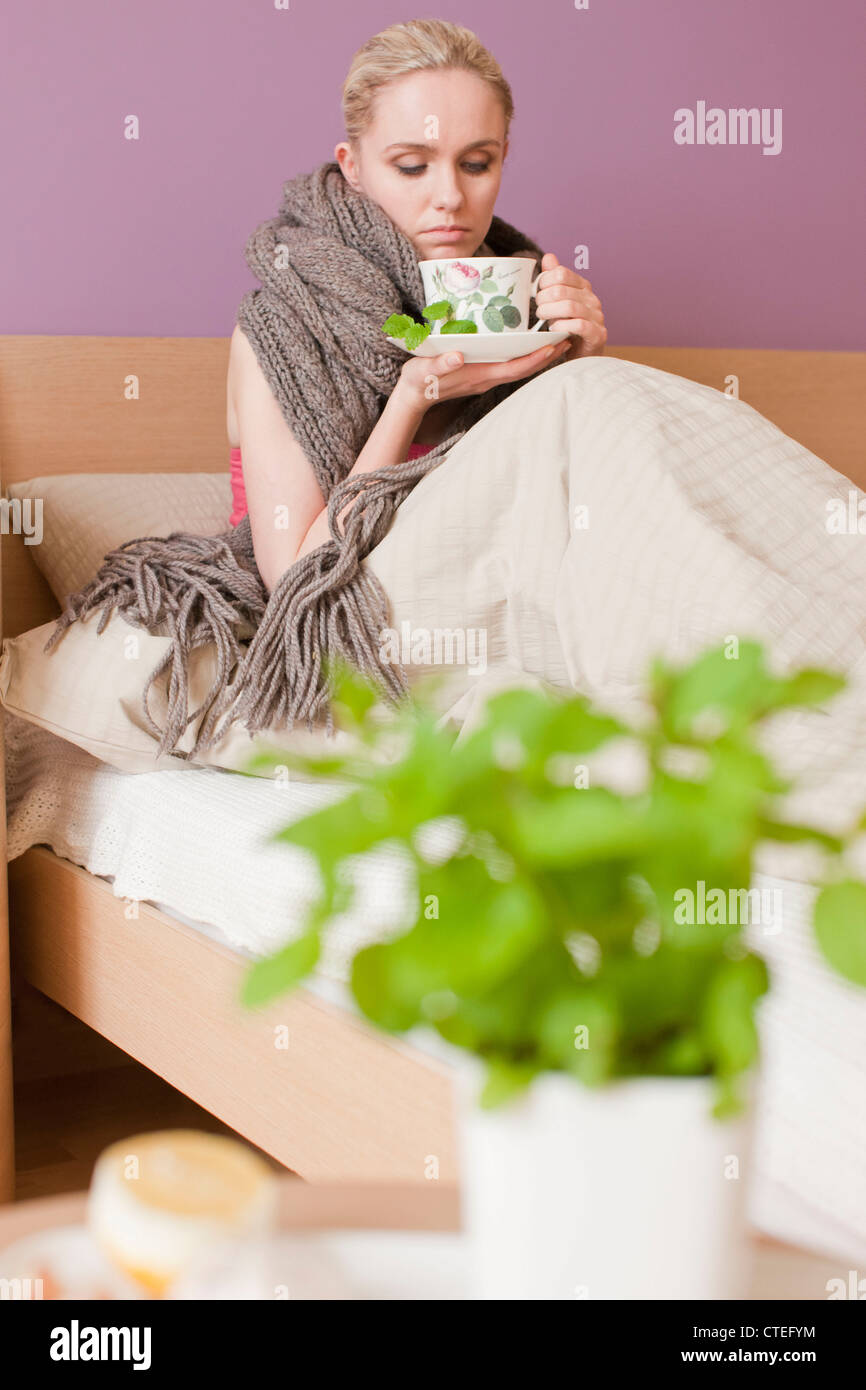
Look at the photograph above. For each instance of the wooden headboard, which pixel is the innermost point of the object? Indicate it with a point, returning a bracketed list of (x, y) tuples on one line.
[(63, 409)]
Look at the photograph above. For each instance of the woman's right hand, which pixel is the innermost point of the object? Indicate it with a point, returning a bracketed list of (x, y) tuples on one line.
[(427, 380)]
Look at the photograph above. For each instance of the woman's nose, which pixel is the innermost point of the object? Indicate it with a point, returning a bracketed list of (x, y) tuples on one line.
[(448, 194)]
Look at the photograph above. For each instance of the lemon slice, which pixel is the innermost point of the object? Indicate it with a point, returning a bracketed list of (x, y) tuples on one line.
[(158, 1200)]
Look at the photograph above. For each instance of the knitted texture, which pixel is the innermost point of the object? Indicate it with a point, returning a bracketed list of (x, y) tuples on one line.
[(332, 267)]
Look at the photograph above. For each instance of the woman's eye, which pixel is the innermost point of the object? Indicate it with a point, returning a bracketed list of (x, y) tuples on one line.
[(414, 169)]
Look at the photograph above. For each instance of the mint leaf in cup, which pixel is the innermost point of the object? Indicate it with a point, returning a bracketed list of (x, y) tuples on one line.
[(415, 335), (397, 325), (442, 309)]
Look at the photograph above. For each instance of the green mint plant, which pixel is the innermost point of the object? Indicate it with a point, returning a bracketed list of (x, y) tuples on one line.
[(552, 938), (414, 333)]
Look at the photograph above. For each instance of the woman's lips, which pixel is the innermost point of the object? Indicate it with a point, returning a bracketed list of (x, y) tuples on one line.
[(447, 234)]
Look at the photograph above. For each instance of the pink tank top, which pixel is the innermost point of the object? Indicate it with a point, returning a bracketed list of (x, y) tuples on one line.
[(239, 496)]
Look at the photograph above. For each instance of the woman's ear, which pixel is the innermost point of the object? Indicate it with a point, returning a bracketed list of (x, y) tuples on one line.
[(346, 160)]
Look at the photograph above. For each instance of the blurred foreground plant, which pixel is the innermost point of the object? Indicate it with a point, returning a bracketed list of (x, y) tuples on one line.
[(555, 936)]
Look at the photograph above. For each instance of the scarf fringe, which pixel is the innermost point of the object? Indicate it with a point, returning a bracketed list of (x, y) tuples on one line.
[(199, 590)]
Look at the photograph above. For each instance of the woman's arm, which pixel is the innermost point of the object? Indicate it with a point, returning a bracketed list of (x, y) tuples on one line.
[(387, 444), (288, 513)]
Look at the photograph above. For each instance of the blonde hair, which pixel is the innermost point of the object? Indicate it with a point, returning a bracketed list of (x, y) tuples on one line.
[(419, 45)]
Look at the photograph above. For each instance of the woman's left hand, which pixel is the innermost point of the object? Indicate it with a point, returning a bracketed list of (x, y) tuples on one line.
[(567, 301)]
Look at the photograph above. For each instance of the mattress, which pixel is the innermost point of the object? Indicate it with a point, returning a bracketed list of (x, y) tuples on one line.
[(196, 843)]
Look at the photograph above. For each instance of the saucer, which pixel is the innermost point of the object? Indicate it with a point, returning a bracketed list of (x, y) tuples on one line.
[(304, 1264), (62, 1262), (485, 347)]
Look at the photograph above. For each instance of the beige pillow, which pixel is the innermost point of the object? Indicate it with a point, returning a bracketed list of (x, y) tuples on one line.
[(84, 515), (87, 690)]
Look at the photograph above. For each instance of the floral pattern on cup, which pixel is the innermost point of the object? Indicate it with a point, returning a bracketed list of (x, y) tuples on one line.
[(475, 294)]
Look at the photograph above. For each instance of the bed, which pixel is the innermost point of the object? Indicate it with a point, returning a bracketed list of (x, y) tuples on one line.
[(340, 1102)]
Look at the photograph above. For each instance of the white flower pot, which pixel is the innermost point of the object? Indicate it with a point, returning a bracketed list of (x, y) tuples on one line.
[(631, 1191)]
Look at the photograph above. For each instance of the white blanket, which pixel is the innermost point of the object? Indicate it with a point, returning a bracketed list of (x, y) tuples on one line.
[(609, 512)]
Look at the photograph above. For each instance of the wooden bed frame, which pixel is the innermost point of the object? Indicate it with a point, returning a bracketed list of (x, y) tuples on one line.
[(341, 1102)]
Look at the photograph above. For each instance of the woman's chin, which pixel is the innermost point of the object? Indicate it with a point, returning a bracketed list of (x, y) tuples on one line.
[(446, 250)]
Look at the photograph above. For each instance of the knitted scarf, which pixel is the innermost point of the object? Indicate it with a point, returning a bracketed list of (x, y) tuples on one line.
[(332, 266)]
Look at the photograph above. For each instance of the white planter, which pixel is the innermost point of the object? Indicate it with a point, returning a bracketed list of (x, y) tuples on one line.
[(625, 1192)]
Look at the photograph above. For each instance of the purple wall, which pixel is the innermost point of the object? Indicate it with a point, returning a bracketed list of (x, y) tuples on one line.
[(689, 244)]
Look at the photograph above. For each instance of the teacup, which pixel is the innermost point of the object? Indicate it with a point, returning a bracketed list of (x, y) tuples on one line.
[(492, 291)]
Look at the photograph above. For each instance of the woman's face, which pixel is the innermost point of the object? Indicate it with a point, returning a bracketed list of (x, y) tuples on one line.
[(432, 158)]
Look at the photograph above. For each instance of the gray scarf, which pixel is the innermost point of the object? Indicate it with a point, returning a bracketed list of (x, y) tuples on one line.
[(332, 267)]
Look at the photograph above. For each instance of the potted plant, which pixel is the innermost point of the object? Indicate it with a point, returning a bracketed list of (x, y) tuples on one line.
[(581, 947)]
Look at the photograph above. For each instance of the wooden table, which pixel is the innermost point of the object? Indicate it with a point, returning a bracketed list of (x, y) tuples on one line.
[(780, 1271)]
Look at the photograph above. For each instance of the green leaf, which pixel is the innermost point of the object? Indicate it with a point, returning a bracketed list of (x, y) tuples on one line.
[(728, 1024), (397, 325), (574, 826), (734, 684), (683, 1054), (810, 686), (493, 319), (505, 1081), (371, 984), (280, 973), (840, 927), (487, 286), (789, 833), (416, 334), (578, 1028), (353, 693), (731, 685), (440, 310), (729, 1102), (460, 326), (353, 824), (511, 315), (480, 933), (314, 765)]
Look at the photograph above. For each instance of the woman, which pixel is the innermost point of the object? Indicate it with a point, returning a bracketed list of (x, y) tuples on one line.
[(584, 520), (395, 81)]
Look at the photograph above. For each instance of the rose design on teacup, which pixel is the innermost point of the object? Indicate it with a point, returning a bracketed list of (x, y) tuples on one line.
[(475, 294), (461, 279)]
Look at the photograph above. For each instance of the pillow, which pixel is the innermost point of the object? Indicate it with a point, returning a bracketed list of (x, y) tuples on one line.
[(84, 515), (87, 690)]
